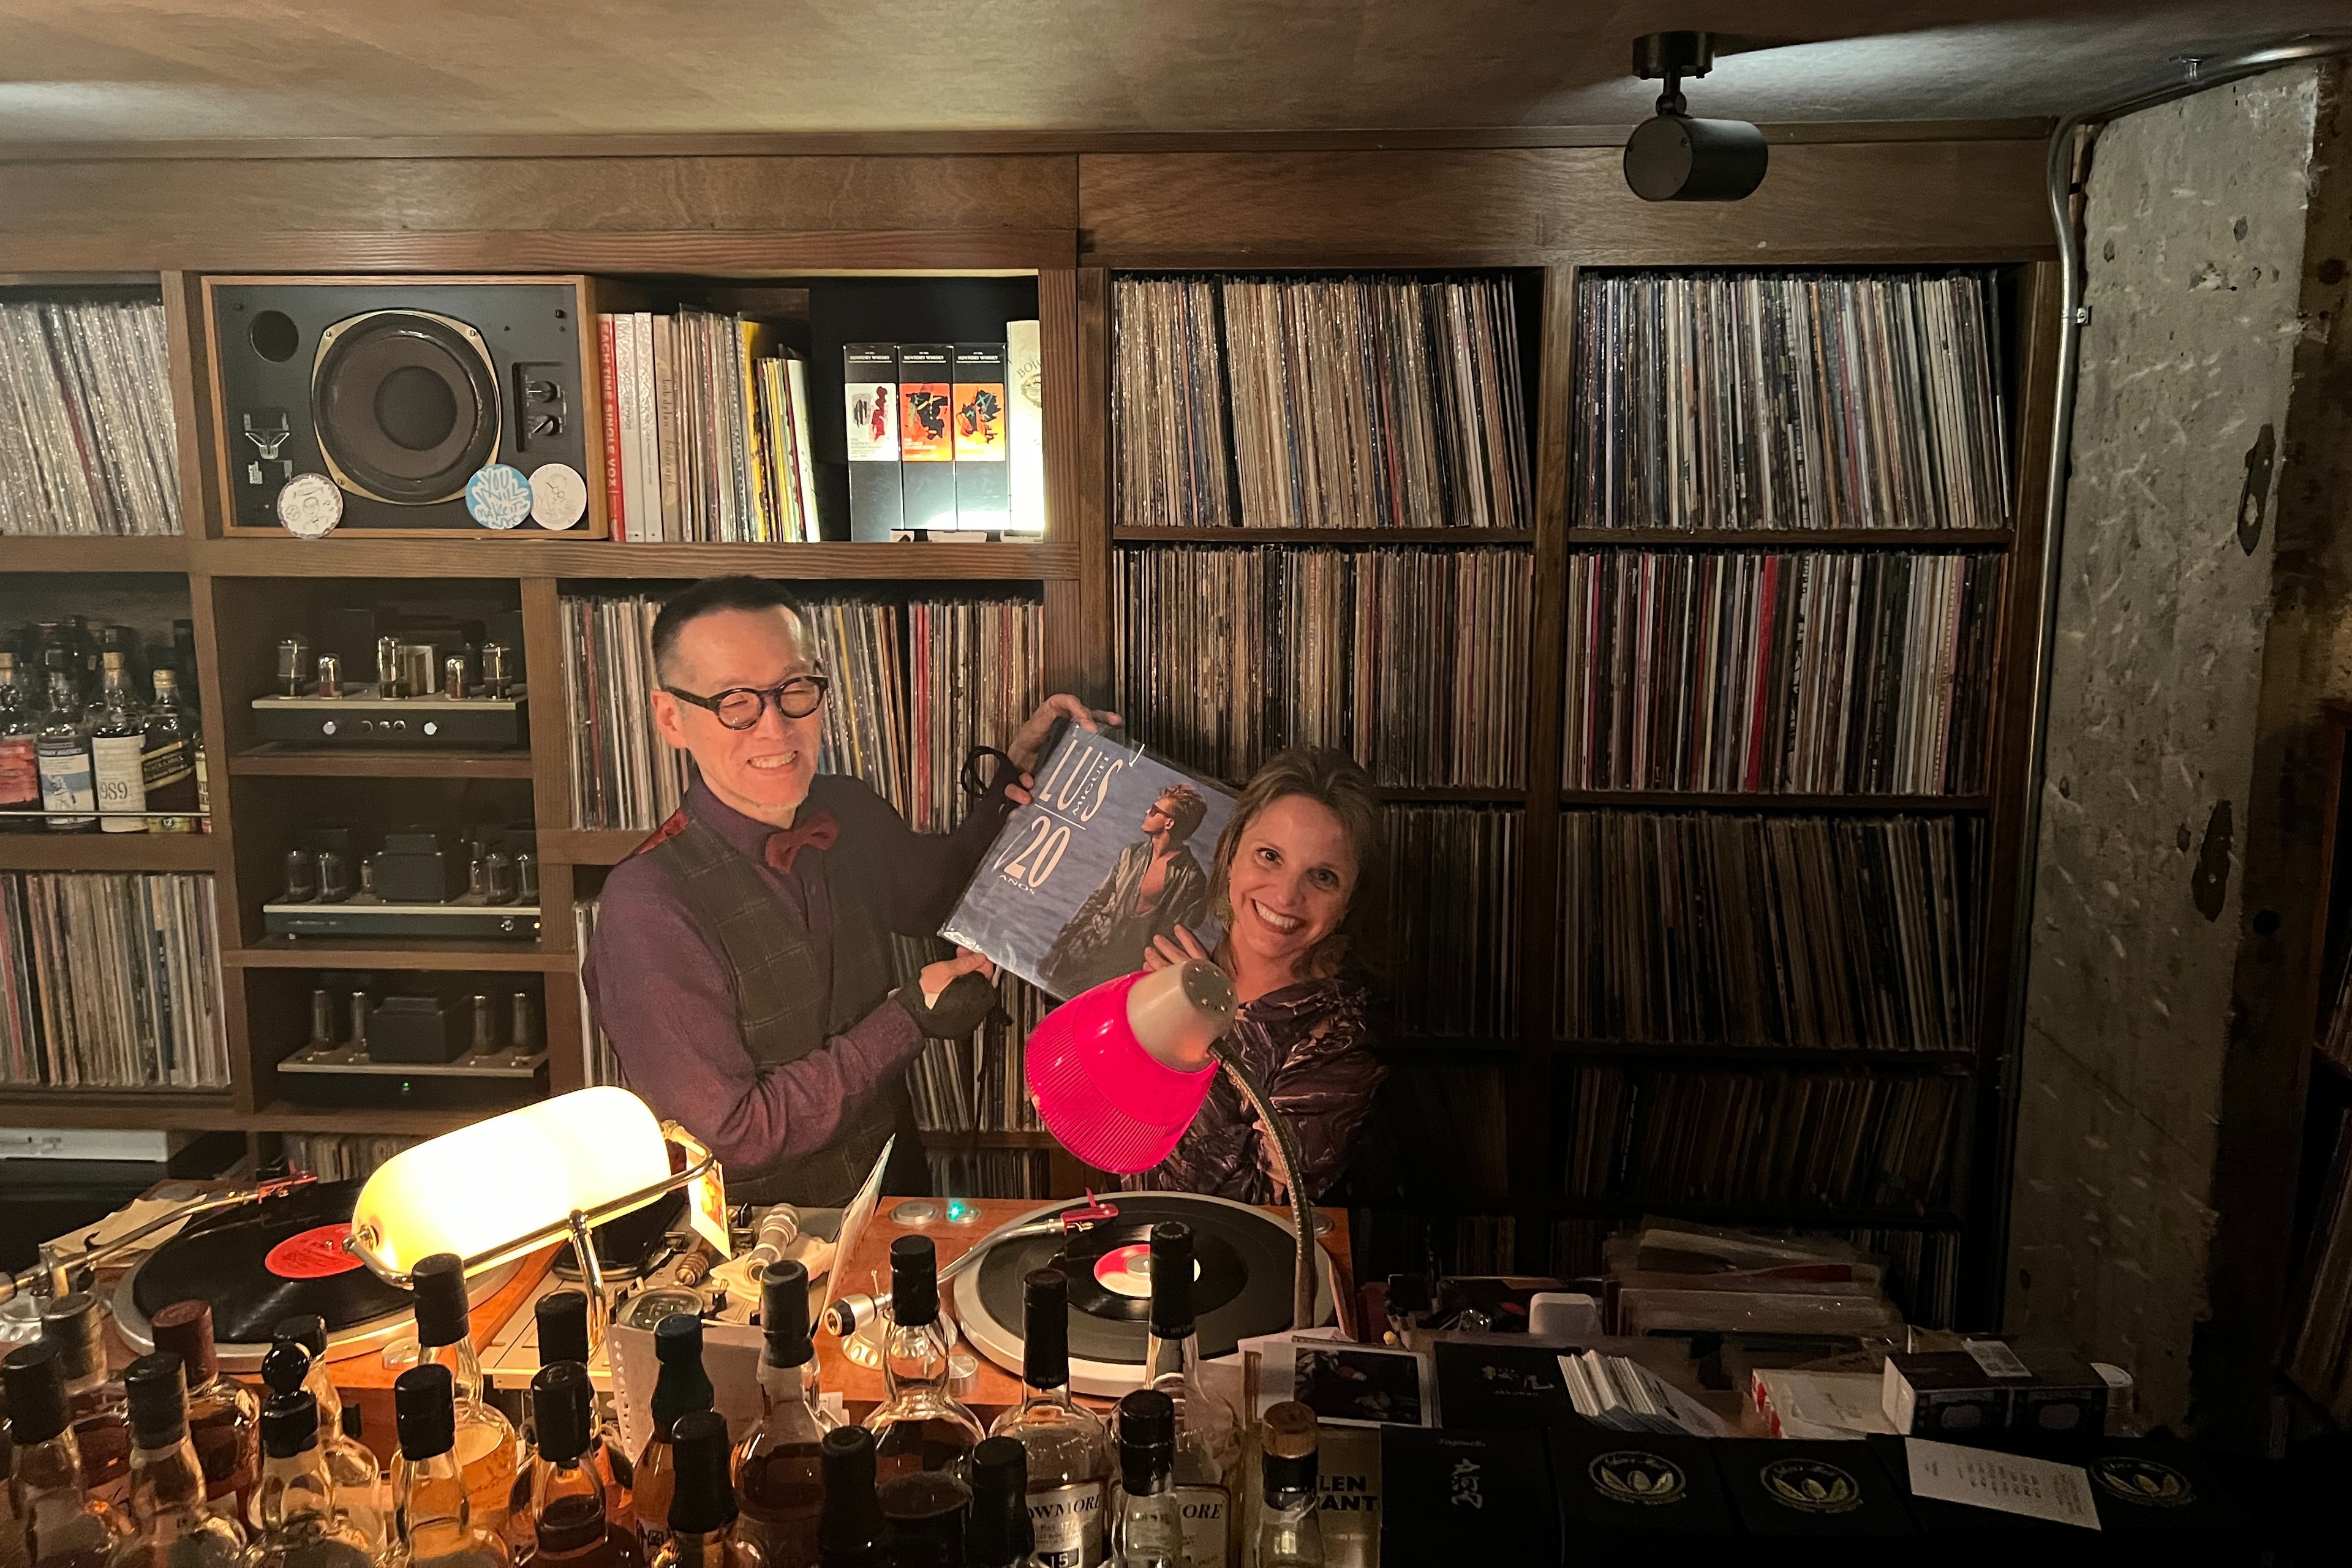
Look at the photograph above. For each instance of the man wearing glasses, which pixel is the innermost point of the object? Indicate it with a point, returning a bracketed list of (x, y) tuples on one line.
[(741, 961)]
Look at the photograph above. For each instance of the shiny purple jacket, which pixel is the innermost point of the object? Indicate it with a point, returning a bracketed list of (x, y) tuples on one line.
[(1308, 1043)]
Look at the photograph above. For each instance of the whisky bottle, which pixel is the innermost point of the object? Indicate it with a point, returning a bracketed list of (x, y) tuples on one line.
[(118, 749), (169, 764), (702, 1499), (61, 1525), (295, 1361), (485, 1438), (850, 1533), (918, 1426), (562, 1318), (1150, 1532), (1068, 1450), (568, 1524), (223, 1418), (61, 752), (301, 1525), (175, 1525), (999, 1535), (924, 1516), (1207, 1432), (95, 1404), (1290, 1528), (779, 1468), (680, 1389), (433, 1522), (20, 762)]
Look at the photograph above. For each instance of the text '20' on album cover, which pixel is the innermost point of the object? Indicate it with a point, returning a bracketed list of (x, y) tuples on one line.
[(1116, 849)]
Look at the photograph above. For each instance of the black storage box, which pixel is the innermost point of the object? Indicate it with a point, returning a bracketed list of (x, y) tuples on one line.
[(1795, 1500), (1465, 1497), (1501, 1387), (1645, 1494)]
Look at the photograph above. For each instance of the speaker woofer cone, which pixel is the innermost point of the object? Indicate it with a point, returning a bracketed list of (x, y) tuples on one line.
[(406, 406)]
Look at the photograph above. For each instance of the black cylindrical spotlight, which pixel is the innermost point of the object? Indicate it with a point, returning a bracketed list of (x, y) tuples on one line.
[(1674, 158)]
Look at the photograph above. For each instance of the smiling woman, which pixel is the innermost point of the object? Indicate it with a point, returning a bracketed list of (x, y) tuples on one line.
[(1295, 882)]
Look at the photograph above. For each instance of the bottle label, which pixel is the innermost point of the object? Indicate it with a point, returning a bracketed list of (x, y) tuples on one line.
[(1068, 1524), (1205, 1525), (115, 760), (67, 784), (20, 774), (171, 777)]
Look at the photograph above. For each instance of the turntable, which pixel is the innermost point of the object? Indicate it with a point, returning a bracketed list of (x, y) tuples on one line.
[(265, 1261), (1245, 1255)]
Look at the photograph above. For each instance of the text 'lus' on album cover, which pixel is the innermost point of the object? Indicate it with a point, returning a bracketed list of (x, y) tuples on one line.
[(1114, 850)]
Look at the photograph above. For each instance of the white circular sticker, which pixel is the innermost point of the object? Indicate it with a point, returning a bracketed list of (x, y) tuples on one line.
[(498, 497), (559, 496), (309, 505)]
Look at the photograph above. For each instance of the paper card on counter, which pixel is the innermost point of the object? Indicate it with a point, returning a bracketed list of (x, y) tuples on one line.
[(2011, 1483)]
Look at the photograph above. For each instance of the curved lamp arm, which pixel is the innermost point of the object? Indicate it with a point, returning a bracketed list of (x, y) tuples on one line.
[(1288, 1160)]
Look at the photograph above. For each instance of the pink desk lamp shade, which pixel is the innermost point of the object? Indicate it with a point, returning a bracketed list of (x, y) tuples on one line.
[(1118, 1072)]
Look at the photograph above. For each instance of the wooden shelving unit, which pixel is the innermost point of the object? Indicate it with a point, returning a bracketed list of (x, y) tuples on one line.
[(1070, 217)]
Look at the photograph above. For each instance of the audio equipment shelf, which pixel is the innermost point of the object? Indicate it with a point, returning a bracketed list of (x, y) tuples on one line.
[(110, 852), (402, 954), (273, 760), (375, 1121)]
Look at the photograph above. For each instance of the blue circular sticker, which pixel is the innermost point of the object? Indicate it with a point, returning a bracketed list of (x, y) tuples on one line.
[(498, 497)]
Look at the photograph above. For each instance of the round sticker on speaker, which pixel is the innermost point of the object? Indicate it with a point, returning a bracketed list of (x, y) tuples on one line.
[(498, 496), (559, 496), (309, 505), (314, 1254)]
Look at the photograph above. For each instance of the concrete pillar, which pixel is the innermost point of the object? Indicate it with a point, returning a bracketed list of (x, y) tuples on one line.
[(2206, 573)]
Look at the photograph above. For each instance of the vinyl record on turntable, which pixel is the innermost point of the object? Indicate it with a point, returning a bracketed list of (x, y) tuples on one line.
[(1244, 1256), (263, 1262)]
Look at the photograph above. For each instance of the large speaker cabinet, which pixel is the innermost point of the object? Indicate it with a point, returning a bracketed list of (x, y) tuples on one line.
[(398, 390)]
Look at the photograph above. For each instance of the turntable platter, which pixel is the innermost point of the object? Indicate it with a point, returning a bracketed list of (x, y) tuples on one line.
[(1245, 1257), (266, 1262)]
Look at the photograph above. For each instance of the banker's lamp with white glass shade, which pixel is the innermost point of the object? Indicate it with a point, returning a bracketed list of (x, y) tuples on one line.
[(507, 1187)]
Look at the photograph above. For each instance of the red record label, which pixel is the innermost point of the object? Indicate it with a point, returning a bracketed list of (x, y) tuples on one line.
[(314, 1254)]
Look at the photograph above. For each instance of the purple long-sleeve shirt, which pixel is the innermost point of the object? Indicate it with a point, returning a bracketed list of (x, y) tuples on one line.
[(665, 997)]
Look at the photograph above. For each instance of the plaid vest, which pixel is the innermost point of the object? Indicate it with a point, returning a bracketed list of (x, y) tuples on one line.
[(786, 1008)]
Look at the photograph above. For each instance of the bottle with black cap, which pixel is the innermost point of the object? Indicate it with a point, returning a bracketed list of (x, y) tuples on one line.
[(1150, 1532), (224, 1417), (1208, 1430), (297, 1360), (1068, 1448), (96, 1407), (431, 1510), (702, 1504), (486, 1439), (569, 1527), (849, 1535), (291, 1365), (62, 1525), (999, 1535), (175, 1525), (562, 1318), (918, 1426), (680, 1389), (1290, 1529), (301, 1524), (779, 1468)]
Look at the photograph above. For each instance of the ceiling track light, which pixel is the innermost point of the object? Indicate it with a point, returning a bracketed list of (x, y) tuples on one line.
[(1674, 158)]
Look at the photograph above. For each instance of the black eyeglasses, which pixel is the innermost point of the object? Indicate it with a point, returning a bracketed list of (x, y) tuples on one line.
[(739, 707)]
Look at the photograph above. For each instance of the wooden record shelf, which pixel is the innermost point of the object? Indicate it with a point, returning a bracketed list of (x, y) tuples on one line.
[(51, 552), (1731, 800), (589, 845), (486, 554), (110, 852), (139, 1109), (1468, 537), (1829, 1058), (372, 1120), (421, 953), (1794, 538), (278, 760)]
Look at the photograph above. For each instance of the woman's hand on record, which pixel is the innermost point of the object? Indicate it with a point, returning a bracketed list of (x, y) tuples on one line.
[(1181, 948)]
